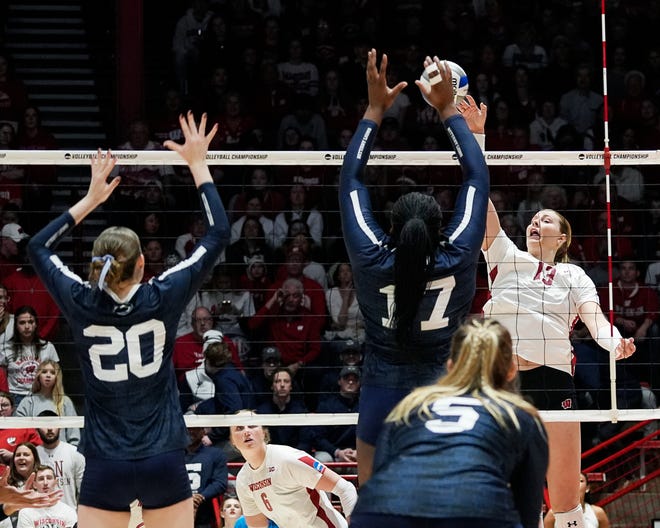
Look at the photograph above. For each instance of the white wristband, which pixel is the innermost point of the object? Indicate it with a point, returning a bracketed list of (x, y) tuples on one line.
[(607, 341), (347, 495)]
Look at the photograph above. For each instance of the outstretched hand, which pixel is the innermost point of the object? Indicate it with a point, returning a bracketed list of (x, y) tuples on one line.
[(625, 348), (475, 116), (441, 94), (197, 140), (14, 499), (100, 188), (381, 96)]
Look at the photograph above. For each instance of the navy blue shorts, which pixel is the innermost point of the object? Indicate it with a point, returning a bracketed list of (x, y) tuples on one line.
[(548, 388), (377, 520), (157, 481), (375, 404)]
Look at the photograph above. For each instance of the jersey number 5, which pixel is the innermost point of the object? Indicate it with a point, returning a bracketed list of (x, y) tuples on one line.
[(131, 341), (443, 287), (455, 415)]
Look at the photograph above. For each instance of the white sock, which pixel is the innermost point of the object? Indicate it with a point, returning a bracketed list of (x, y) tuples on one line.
[(570, 519)]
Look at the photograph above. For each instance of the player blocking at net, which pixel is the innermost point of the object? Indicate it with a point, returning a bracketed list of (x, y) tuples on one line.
[(415, 282), (538, 296), (135, 436)]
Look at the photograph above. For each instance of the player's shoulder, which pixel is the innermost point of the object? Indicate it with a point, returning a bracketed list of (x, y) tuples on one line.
[(279, 450), (571, 270)]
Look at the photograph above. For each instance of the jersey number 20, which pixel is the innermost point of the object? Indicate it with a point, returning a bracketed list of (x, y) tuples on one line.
[(131, 341), (443, 287)]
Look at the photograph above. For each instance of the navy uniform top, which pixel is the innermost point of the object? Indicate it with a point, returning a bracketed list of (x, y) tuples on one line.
[(125, 345), (459, 464), (451, 287)]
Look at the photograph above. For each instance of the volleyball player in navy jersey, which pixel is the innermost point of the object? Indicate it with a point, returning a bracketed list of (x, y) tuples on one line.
[(415, 283), (472, 434), (134, 436)]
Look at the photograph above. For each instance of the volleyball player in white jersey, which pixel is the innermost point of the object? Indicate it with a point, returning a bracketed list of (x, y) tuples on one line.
[(286, 485), (538, 296)]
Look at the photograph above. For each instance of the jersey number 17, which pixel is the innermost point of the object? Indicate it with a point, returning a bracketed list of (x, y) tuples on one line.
[(441, 287)]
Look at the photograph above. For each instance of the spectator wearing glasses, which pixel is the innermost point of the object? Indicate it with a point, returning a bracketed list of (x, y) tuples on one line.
[(188, 349)]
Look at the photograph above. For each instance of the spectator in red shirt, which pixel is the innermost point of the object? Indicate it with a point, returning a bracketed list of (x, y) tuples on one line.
[(291, 327), (188, 349), (26, 288), (10, 438)]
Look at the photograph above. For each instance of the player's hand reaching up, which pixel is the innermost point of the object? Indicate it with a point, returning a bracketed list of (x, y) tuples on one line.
[(475, 116), (195, 147), (100, 188), (197, 140), (381, 96), (441, 93)]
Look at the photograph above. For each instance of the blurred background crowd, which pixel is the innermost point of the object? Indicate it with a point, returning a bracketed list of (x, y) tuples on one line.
[(289, 75)]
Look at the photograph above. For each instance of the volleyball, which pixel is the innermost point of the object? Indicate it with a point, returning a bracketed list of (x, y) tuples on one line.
[(459, 81)]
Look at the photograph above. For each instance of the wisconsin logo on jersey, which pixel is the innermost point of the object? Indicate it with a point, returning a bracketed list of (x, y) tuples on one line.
[(567, 404), (313, 463)]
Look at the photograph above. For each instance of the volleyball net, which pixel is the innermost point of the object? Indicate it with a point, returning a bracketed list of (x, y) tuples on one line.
[(398, 165)]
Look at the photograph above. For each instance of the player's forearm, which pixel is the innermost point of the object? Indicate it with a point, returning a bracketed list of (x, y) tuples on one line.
[(200, 173), (82, 208), (374, 113)]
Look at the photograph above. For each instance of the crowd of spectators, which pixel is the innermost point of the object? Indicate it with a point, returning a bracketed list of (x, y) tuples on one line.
[(289, 75)]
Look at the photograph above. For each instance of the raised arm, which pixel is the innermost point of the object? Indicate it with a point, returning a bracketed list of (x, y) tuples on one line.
[(381, 96), (492, 226), (195, 147), (193, 151), (99, 189), (475, 117), (440, 94)]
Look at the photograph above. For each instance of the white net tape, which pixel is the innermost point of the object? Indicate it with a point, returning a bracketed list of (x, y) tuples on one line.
[(392, 158), (311, 419), (157, 157)]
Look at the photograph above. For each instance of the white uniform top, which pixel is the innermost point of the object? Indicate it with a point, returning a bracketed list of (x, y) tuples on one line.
[(282, 489), (22, 365), (59, 516), (69, 465), (537, 303), (590, 519)]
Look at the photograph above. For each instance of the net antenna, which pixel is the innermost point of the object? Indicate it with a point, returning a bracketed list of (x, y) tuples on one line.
[(606, 168)]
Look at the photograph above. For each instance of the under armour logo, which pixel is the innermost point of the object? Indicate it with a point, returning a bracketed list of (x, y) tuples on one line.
[(571, 523)]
